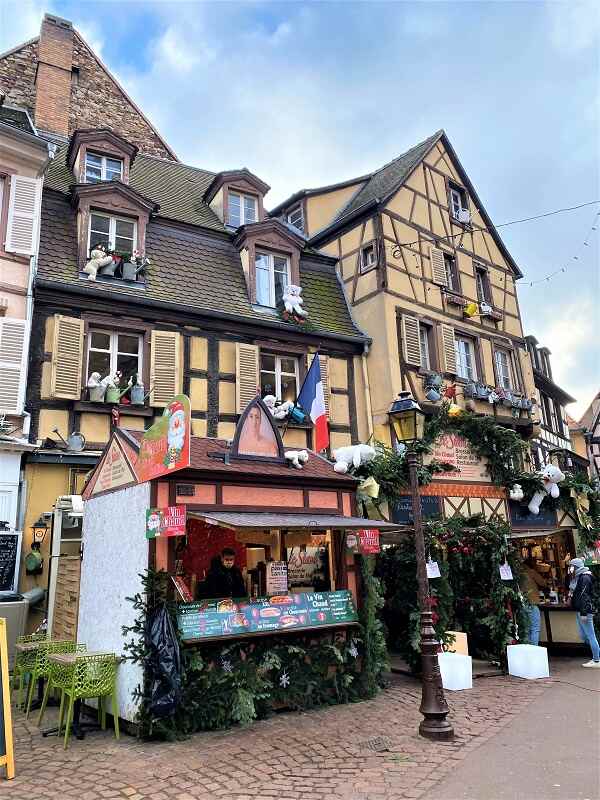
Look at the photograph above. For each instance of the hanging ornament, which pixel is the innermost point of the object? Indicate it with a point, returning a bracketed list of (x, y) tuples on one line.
[(450, 391), (284, 680), (226, 665), (353, 650), (454, 410)]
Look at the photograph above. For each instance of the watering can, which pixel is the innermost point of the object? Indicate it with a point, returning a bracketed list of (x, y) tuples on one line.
[(114, 394)]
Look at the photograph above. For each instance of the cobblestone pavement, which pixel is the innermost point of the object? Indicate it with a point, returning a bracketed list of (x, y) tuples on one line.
[(320, 755)]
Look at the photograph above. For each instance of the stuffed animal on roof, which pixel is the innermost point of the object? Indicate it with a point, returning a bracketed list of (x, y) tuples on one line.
[(551, 477), (293, 301), (97, 260), (296, 457), (352, 456)]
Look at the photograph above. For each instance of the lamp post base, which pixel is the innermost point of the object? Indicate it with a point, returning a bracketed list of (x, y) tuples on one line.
[(437, 729)]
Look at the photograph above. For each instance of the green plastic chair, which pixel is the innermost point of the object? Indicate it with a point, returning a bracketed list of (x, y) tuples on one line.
[(24, 664), (41, 667), (89, 676)]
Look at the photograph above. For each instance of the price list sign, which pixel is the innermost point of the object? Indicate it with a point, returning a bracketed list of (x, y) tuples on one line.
[(221, 618)]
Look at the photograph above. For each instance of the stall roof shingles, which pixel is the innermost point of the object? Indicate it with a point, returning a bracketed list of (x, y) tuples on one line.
[(316, 467), (191, 268)]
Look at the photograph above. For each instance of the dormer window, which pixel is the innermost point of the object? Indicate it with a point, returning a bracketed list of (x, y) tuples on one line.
[(242, 209), (115, 233), (102, 168), (272, 276), (295, 217)]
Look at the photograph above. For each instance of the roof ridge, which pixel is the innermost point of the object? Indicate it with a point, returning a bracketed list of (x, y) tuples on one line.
[(406, 152)]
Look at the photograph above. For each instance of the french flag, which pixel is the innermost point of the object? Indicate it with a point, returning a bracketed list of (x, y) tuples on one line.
[(312, 400)]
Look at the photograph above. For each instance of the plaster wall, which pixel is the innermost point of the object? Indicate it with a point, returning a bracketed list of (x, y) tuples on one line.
[(321, 209), (114, 556)]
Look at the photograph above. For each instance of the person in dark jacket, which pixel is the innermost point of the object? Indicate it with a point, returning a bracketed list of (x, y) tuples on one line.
[(581, 602), (223, 579)]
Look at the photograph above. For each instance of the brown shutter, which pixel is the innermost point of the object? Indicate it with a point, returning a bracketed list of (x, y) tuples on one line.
[(247, 379), (165, 367), (448, 349), (23, 215), (411, 343), (67, 358), (438, 266), (12, 365), (324, 364)]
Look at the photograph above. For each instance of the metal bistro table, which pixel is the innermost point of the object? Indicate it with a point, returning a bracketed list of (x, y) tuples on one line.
[(67, 660)]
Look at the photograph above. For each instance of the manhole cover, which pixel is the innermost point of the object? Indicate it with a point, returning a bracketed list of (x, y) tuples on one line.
[(379, 744)]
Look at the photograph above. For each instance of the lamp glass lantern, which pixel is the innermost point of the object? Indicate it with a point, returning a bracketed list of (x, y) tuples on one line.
[(39, 529), (407, 419)]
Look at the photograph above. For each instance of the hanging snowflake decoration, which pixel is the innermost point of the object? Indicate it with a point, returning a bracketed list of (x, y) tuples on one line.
[(226, 665), (352, 649), (284, 680)]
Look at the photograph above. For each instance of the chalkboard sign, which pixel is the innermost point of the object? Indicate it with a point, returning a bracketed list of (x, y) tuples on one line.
[(209, 619), (521, 516), (401, 511), (6, 740), (10, 552)]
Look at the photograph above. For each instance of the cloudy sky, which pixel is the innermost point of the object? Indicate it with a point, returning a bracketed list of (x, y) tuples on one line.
[(306, 94)]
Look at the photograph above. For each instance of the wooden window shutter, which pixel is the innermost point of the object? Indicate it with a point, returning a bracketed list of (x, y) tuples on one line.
[(23, 215), (438, 266), (448, 348), (411, 343), (12, 364), (247, 377), (324, 364), (67, 358), (165, 367)]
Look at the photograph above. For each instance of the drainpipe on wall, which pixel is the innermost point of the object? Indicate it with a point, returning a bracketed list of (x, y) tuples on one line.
[(365, 373)]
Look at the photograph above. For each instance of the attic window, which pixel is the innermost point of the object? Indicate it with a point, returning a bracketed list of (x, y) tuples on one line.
[(102, 168), (296, 218), (459, 207), (241, 209), (368, 257)]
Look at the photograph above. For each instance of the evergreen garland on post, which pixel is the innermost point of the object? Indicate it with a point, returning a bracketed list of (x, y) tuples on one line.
[(375, 657)]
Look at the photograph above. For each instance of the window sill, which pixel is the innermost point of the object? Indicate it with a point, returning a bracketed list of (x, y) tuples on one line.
[(269, 310), (467, 226), (108, 280), (106, 408), (455, 298), (369, 268)]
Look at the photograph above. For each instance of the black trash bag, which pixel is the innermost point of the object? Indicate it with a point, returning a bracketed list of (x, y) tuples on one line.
[(165, 665)]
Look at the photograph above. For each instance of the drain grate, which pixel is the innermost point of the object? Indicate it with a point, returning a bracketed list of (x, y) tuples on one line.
[(379, 744)]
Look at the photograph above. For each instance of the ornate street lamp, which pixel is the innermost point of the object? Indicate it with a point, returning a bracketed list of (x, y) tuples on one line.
[(408, 422)]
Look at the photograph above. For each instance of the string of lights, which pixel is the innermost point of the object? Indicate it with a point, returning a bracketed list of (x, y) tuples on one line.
[(396, 248)]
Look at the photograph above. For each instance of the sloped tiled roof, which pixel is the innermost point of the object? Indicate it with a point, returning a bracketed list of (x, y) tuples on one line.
[(385, 180), (16, 118)]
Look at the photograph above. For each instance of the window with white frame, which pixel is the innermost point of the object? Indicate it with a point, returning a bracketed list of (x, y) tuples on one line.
[(296, 218), (368, 257), (241, 209), (110, 352), (465, 358), (102, 168), (424, 332), (272, 276), (458, 201), (115, 233), (279, 377), (502, 360)]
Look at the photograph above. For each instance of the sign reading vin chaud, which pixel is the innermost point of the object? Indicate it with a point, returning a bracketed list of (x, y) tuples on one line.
[(451, 448)]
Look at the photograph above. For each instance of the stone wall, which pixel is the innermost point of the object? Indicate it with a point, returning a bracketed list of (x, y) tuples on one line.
[(17, 76)]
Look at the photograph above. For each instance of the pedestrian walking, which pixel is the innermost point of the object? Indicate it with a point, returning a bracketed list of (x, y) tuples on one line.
[(581, 602)]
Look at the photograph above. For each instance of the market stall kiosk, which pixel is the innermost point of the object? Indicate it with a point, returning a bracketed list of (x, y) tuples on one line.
[(255, 546)]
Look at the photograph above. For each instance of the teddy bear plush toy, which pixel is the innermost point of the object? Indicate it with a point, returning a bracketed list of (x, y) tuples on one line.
[(98, 259), (516, 493), (293, 301), (352, 456), (551, 477), (280, 411), (296, 457)]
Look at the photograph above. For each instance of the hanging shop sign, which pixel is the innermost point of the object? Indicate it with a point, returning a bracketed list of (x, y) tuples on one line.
[(521, 516), (115, 470), (401, 510), (222, 618), (277, 580), (364, 541), (165, 447), (452, 448), (168, 521)]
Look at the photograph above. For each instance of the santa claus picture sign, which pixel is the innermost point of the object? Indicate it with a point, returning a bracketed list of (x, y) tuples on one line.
[(165, 447)]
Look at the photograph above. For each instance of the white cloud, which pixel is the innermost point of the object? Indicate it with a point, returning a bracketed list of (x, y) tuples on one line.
[(173, 52), (574, 25), (20, 21)]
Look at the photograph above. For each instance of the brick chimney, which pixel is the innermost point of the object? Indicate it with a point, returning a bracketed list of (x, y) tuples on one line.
[(53, 79)]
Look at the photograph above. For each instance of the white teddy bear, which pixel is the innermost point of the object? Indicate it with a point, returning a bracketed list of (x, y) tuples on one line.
[(551, 476), (280, 411), (293, 301), (297, 457), (98, 259), (352, 456), (516, 493)]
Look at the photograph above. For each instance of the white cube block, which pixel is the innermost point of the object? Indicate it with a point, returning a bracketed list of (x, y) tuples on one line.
[(457, 671), (527, 661)]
